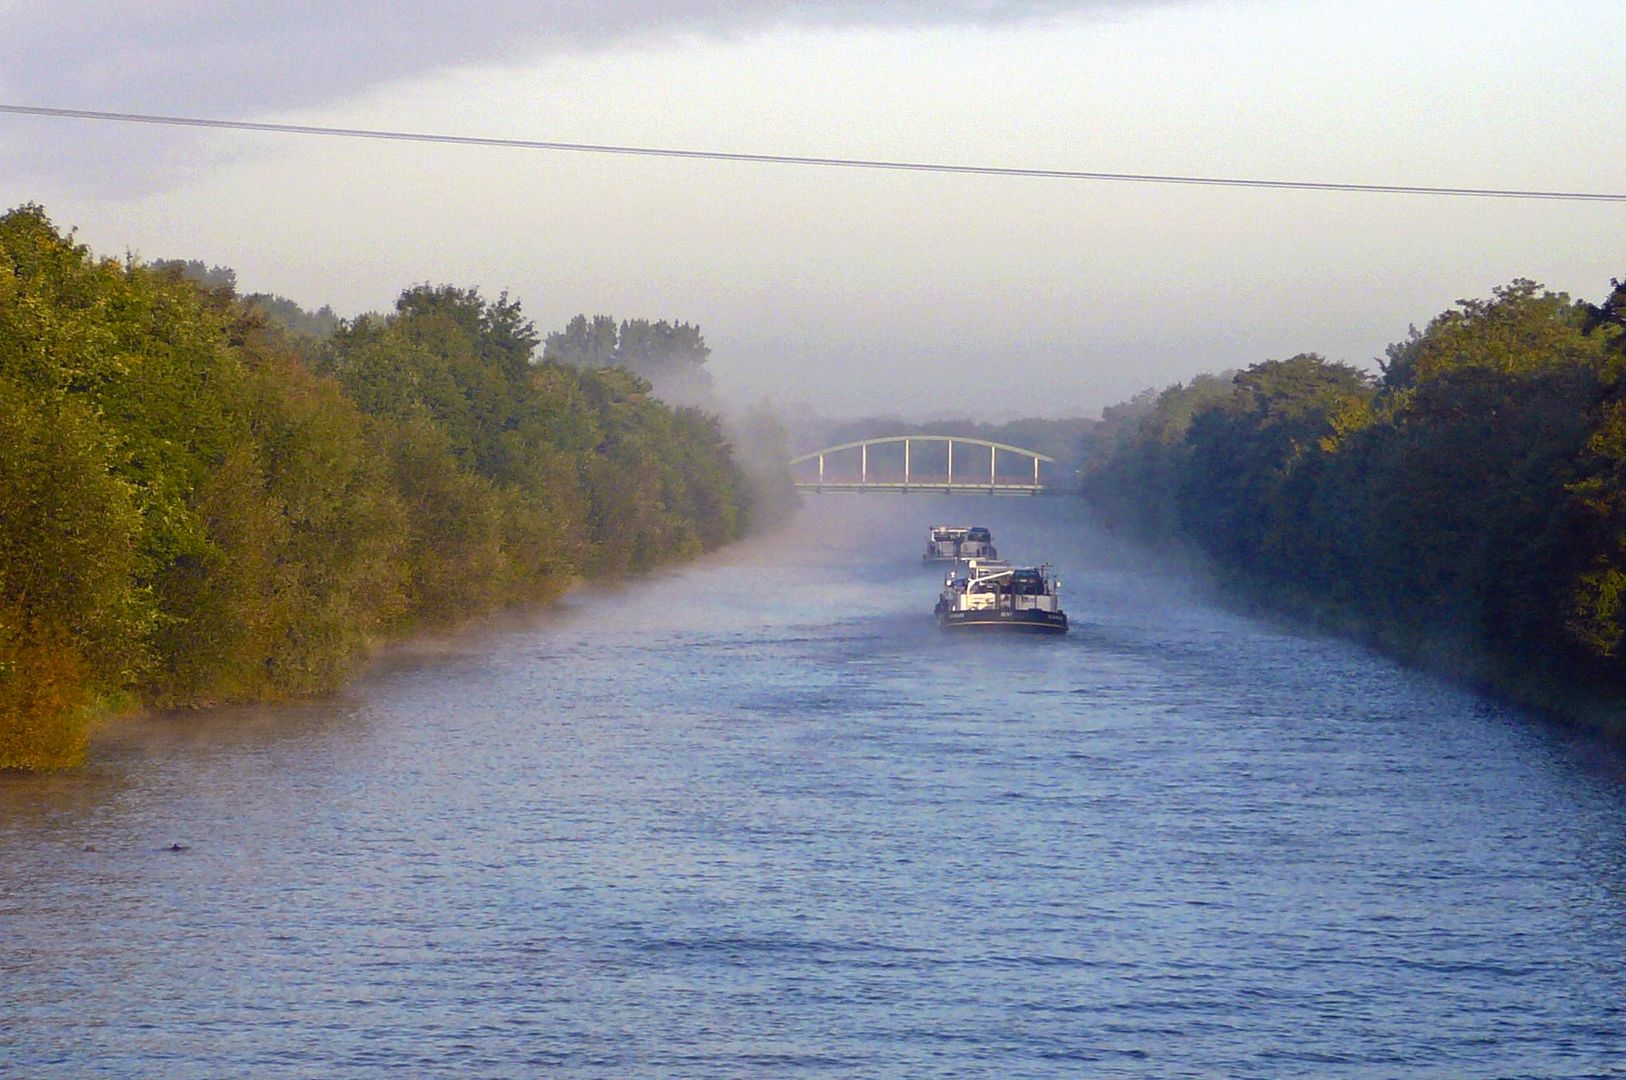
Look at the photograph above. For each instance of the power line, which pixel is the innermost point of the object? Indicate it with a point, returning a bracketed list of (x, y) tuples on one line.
[(789, 159)]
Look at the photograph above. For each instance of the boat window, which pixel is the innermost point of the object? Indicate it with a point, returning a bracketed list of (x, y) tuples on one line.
[(1027, 583)]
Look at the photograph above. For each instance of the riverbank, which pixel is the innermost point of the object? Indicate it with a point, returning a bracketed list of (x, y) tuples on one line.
[(1596, 709), (1465, 511), (1590, 705), (200, 503)]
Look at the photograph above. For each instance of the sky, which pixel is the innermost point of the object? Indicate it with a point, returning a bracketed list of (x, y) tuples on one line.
[(847, 291)]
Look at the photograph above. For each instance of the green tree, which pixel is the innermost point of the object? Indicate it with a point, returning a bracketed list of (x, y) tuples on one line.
[(671, 357), (1471, 512), (72, 627), (583, 343), (189, 513), (1523, 327), (1245, 449)]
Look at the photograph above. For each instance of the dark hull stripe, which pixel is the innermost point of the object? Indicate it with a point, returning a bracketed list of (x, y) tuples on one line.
[(1039, 622)]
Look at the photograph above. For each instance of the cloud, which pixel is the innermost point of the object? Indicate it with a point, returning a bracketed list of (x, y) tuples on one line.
[(246, 54), (241, 59)]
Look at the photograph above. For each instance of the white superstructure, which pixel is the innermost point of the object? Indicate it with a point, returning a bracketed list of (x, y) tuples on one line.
[(952, 543), (991, 593)]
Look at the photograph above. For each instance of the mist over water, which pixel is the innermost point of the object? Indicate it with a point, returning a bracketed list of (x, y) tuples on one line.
[(757, 816)]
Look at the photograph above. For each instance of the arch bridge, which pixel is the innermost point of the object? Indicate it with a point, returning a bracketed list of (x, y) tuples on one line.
[(904, 463)]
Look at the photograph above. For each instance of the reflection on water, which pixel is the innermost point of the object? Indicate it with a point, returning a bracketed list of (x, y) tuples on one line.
[(757, 817)]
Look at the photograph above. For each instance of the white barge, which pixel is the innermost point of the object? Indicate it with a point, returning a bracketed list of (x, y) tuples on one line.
[(952, 543), (988, 594)]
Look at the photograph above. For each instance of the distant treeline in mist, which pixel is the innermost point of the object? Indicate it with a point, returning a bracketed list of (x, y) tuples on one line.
[(671, 356), (1466, 509), (207, 498)]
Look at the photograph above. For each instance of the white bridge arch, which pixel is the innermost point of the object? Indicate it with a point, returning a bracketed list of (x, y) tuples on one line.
[(971, 472)]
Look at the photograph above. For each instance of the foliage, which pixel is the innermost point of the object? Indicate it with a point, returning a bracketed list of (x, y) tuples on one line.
[(670, 356), (604, 477), (318, 325), (201, 502), (209, 278), (71, 626), (1236, 484), (1521, 328), (1469, 509), (1133, 457)]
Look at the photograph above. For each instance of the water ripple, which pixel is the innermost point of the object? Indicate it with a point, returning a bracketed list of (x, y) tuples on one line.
[(766, 821)]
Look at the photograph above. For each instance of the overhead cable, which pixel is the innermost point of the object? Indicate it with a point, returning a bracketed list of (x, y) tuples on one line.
[(794, 159)]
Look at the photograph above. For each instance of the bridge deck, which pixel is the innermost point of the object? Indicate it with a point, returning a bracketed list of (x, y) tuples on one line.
[(984, 488)]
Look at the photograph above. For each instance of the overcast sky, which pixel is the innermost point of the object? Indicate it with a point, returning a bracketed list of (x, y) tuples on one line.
[(855, 291)]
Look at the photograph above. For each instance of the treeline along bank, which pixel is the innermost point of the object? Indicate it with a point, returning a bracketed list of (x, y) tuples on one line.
[(201, 503), (1466, 508)]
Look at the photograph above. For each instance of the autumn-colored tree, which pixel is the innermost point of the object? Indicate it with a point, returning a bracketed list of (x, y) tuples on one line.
[(201, 502)]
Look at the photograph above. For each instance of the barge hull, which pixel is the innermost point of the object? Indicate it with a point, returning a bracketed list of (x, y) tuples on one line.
[(1033, 622)]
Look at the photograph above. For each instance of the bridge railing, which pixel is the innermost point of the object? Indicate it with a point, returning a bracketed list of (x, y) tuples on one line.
[(972, 477)]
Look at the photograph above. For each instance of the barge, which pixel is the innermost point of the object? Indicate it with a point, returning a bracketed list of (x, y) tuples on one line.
[(954, 543), (988, 594)]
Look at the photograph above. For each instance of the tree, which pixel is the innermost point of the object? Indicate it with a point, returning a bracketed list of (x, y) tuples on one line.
[(208, 278), (189, 513), (670, 356), (1523, 327), (72, 625), (584, 344), (1245, 449)]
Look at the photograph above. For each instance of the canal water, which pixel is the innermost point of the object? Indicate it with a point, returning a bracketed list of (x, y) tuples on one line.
[(757, 817)]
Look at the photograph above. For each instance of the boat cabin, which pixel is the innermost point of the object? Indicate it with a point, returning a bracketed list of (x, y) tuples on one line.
[(951, 543)]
